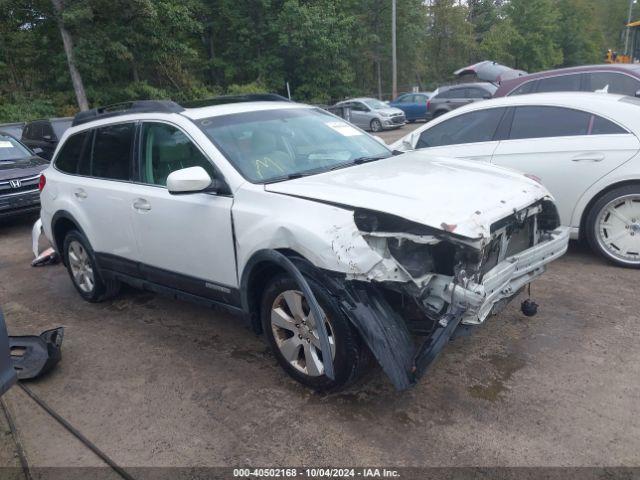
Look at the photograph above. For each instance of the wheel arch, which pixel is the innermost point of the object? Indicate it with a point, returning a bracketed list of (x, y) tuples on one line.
[(596, 197), (262, 265), (267, 262), (61, 223)]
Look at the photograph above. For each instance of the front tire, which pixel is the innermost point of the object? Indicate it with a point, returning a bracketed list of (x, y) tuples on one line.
[(613, 226), (376, 125), (290, 330), (81, 265)]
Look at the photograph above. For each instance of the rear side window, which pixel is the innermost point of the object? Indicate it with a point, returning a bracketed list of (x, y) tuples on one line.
[(602, 126), (479, 126), (561, 83), (453, 93), (542, 122), (69, 156), (477, 93), (112, 152), (613, 82)]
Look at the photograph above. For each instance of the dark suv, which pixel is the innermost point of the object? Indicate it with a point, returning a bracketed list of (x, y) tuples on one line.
[(42, 136), (445, 99), (618, 78), (19, 177)]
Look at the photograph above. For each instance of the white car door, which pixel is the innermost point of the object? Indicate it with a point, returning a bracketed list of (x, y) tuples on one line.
[(186, 240), (101, 188), (467, 136), (567, 149)]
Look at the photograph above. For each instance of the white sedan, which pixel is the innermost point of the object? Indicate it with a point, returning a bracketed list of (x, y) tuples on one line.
[(583, 147)]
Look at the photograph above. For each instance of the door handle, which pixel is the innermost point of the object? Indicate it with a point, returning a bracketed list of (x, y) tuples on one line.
[(141, 205), (588, 157), (80, 194)]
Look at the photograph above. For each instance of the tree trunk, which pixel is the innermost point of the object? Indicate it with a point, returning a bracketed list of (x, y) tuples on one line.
[(67, 41)]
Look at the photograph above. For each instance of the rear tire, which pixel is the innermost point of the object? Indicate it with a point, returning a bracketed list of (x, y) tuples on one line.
[(288, 330), (613, 226), (83, 270)]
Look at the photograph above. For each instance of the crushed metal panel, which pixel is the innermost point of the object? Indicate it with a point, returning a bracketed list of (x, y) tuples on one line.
[(490, 71)]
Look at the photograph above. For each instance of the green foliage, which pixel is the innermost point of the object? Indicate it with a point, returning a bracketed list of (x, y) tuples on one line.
[(325, 49)]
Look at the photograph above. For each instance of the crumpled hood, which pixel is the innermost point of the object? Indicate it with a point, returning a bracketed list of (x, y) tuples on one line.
[(23, 167), (423, 188)]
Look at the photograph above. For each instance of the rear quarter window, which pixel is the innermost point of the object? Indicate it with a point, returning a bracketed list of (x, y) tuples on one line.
[(68, 158)]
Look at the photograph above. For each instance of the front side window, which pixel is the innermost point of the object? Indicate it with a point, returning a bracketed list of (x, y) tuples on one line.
[(112, 152), (473, 127), (273, 145), (69, 156), (166, 149), (358, 107), (613, 83), (11, 149), (524, 88), (561, 83), (541, 122)]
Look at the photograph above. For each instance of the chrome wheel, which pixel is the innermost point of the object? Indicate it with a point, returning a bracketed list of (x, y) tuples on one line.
[(618, 229), (80, 266), (294, 330)]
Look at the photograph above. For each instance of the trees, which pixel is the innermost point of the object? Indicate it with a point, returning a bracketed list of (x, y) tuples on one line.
[(117, 50)]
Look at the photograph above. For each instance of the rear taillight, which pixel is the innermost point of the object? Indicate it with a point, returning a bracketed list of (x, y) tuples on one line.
[(428, 104), (42, 182)]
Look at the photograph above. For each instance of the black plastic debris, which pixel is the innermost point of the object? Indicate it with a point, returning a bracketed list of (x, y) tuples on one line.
[(34, 355)]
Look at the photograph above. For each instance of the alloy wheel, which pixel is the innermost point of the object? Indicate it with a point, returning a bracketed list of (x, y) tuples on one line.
[(295, 333), (618, 229), (81, 268), (376, 126)]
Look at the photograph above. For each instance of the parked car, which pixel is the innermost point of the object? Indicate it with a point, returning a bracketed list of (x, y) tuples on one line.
[(617, 78), (287, 215), (446, 99), (582, 146), (44, 135), (19, 175), (14, 129), (373, 115), (414, 105)]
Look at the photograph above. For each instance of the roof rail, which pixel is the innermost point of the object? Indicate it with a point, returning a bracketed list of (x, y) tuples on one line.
[(138, 106), (225, 99)]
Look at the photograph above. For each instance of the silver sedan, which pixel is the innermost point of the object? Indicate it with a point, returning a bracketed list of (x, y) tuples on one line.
[(373, 115)]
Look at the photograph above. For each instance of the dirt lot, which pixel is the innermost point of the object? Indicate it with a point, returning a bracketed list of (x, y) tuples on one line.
[(158, 382)]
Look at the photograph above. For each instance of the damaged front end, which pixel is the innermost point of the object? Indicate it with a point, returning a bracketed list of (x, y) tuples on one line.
[(428, 281)]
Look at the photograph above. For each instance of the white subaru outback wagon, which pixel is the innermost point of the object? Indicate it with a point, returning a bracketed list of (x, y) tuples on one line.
[(312, 230)]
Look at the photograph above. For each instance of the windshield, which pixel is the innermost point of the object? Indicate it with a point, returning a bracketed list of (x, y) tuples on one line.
[(272, 145), (11, 149), (374, 104)]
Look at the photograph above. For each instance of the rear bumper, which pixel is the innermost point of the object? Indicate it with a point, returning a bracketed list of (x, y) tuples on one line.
[(19, 203)]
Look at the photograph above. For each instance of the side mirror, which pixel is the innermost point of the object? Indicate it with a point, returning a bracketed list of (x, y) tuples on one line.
[(487, 96), (190, 180)]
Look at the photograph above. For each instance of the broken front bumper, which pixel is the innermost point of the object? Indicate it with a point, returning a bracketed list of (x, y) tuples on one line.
[(506, 278), (503, 281)]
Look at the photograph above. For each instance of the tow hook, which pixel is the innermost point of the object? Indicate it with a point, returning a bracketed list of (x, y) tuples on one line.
[(529, 307)]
